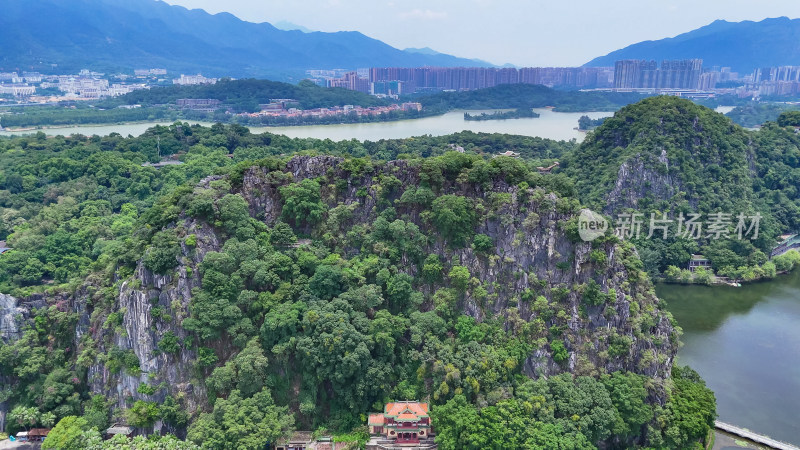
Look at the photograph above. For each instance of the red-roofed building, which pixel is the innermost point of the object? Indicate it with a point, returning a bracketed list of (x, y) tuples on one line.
[(403, 422)]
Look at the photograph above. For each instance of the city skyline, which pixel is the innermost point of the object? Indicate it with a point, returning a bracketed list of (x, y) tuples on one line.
[(490, 30)]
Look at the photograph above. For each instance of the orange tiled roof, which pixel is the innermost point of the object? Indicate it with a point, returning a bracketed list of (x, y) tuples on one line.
[(416, 409), (376, 419)]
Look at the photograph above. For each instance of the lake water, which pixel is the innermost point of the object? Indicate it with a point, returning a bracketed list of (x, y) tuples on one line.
[(552, 125), (745, 342)]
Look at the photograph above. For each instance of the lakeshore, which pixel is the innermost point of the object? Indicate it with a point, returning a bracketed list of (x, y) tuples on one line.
[(745, 343), (550, 125)]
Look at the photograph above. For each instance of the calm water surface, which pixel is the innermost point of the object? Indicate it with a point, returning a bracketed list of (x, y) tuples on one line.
[(745, 342), (552, 125)]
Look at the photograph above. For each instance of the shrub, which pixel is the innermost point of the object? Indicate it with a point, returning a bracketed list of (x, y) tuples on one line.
[(142, 414), (169, 343), (162, 256), (459, 277), (559, 351), (482, 243), (454, 216), (593, 295)]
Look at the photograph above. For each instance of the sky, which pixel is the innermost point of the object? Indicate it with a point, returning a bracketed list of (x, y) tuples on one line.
[(519, 32)]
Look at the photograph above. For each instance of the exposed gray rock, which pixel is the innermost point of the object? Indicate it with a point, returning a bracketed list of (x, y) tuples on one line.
[(530, 241), (643, 175), (526, 227), (11, 318)]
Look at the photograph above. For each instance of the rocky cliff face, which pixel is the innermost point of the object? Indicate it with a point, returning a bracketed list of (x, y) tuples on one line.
[(142, 329), (11, 317), (535, 253), (643, 174), (533, 249), (663, 152), (14, 314)]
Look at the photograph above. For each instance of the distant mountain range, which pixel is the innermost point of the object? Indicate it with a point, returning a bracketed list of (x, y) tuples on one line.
[(433, 53), (125, 34), (743, 46), (285, 25)]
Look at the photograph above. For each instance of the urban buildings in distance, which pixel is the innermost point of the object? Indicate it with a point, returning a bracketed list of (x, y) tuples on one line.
[(34, 87), (394, 81), (783, 80), (643, 74), (192, 80), (689, 75), (687, 78)]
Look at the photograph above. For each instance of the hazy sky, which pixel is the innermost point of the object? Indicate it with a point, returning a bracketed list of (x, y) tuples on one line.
[(521, 32)]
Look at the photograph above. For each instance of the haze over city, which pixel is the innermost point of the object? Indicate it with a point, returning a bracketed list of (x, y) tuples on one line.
[(519, 32)]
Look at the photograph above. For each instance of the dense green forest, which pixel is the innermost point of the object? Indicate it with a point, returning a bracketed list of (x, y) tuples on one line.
[(308, 281), (528, 96), (40, 116), (245, 95), (267, 292), (37, 116), (667, 155), (754, 114)]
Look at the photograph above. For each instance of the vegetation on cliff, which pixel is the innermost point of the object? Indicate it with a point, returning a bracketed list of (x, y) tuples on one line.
[(308, 291), (668, 155)]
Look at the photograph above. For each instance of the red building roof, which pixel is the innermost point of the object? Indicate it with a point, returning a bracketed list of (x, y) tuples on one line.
[(376, 420), (406, 410)]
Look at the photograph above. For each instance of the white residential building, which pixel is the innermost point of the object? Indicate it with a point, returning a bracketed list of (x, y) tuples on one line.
[(190, 80), (17, 90)]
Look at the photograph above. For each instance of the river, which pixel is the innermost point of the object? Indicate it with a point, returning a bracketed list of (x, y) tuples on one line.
[(550, 124), (745, 342)]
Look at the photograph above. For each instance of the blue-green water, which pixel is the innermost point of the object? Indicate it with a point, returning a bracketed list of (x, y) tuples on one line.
[(551, 125), (745, 342)]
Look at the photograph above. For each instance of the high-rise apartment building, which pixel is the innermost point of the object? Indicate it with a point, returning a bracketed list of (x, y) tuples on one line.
[(416, 79), (677, 74)]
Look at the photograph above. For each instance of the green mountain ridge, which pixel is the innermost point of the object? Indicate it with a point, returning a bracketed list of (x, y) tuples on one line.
[(668, 155), (307, 282), (183, 294)]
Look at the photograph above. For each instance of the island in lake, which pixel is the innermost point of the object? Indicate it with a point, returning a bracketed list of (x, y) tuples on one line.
[(515, 114)]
